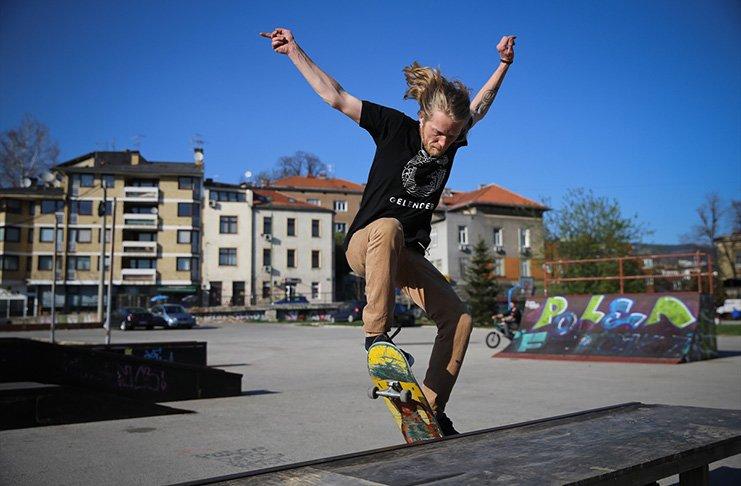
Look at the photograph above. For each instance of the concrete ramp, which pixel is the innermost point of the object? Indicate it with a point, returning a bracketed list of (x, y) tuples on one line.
[(625, 444), (662, 327)]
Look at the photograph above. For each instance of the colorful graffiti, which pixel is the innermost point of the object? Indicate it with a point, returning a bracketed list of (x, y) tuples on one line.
[(673, 327)]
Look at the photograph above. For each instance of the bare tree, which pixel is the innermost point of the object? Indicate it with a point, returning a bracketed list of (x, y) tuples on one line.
[(299, 164), (711, 213), (26, 151)]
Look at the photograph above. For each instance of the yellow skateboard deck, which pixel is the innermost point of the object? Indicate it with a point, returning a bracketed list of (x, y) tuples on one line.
[(393, 380)]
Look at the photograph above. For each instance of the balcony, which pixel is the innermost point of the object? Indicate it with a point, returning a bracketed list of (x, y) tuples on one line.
[(141, 194), (139, 275), (140, 248), (144, 221)]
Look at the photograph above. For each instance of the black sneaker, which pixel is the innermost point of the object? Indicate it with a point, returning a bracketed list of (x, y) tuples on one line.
[(446, 425), (385, 338)]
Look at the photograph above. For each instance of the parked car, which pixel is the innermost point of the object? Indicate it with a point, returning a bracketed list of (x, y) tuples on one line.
[(353, 310), (132, 317), (731, 309), (296, 299), (174, 315)]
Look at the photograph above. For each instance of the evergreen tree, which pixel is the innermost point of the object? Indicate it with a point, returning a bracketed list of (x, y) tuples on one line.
[(481, 285)]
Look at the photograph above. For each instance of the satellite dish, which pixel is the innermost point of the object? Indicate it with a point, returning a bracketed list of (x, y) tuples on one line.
[(153, 210), (247, 174), (48, 177), (26, 182)]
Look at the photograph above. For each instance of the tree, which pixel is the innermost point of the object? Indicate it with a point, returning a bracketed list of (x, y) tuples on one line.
[(586, 227), (26, 151), (300, 164), (481, 285)]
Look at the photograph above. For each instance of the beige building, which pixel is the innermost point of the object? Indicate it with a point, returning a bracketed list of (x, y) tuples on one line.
[(227, 244), (728, 251), (339, 195), (156, 240), (510, 225), (293, 248)]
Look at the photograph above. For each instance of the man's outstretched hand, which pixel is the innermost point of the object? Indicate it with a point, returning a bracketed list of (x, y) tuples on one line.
[(280, 38), (506, 48)]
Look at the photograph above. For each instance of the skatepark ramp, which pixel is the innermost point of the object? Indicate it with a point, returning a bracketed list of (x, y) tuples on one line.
[(662, 327), (631, 443), (153, 380)]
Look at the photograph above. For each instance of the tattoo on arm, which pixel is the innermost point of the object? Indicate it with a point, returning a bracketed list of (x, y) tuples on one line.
[(486, 101)]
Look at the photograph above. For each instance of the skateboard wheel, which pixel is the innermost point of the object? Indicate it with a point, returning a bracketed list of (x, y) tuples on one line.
[(373, 392), (405, 396)]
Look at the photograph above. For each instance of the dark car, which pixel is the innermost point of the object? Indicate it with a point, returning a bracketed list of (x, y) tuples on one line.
[(174, 315), (132, 317), (353, 310), (297, 299)]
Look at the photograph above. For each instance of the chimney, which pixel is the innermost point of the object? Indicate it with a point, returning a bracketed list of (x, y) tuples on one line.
[(198, 156), (135, 157)]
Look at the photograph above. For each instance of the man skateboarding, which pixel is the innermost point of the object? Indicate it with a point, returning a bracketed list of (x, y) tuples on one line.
[(388, 238)]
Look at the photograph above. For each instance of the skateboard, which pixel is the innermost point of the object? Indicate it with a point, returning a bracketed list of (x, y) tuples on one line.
[(393, 380)]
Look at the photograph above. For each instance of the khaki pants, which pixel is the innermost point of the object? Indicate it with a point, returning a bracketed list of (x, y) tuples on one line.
[(378, 253)]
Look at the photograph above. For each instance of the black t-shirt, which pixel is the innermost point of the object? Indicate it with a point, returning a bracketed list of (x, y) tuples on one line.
[(404, 182)]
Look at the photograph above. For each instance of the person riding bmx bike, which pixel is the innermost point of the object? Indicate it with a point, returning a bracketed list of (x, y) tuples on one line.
[(387, 241)]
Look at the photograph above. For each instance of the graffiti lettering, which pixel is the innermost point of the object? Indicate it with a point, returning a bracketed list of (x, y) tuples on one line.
[(674, 310), (553, 307)]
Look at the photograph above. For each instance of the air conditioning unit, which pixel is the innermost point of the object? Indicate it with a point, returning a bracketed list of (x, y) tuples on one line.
[(268, 237), (464, 247), (212, 203), (267, 269), (75, 191), (499, 249), (526, 250)]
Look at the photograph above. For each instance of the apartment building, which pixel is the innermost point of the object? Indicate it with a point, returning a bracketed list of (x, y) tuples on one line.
[(293, 248), (339, 195), (227, 244), (510, 224), (728, 255), (157, 204)]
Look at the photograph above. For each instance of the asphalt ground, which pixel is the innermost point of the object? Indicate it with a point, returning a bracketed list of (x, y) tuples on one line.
[(304, 397)]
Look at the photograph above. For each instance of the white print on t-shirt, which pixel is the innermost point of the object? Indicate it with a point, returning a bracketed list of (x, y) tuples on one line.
[(432, 181), (411, 204)]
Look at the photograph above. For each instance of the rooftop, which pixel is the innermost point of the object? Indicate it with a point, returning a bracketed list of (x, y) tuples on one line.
[(317, 183), (491, 195)]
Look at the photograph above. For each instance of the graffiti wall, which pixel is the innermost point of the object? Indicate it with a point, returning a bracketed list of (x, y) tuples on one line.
[(674, 327)]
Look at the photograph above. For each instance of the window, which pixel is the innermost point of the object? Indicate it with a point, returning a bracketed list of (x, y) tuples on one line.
[(46, 235), (44, 262), (49, 206), (148, 263), (525, 268), (185, 209), (267, 225), (82, 207), (228, 225), (340, 206), (107, 235), (315, 228), (499, 267), (13, 206), (78, 263), (267, 257), (108, 180), (498, 237), (84, 235), (314, 290), (226, 196), (9, 262), (227, 257), (183, 264), (291, 258), (184, 236), (291, 227), (10, 234), (315, 202), (433, 238), (340, 228), (186, 182), (31, 207), (237, 293), (107, 263), (314, 258), (84, 180), (30, 235), (265, 290), (524, 238), (462, 235)]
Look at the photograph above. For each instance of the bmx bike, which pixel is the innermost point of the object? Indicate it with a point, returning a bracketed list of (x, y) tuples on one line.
[(501, 328)]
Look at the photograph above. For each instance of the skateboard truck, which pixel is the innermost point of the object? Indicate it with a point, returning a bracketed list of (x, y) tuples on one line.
[(393, 391)]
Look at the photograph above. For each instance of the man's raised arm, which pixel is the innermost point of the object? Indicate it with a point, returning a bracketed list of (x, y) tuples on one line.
[(324, 85), (485, 97)]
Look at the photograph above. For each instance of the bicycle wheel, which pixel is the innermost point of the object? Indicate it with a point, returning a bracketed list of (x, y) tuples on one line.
[(493, 339)]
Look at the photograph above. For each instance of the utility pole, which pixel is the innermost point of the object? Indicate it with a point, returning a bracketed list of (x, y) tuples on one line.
[(57, 217), (110, 276), (104, 210)]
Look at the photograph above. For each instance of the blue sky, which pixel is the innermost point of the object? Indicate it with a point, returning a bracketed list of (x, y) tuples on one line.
[(640, 101)]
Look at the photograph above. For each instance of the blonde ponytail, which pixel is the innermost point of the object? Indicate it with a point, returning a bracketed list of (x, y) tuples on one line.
[(435, 93)]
